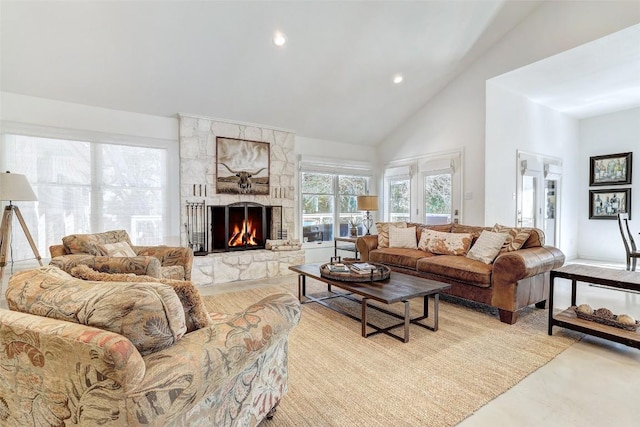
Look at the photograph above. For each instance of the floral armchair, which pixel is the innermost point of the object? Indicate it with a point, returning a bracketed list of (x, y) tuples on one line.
[(83, 353), (113, 252)]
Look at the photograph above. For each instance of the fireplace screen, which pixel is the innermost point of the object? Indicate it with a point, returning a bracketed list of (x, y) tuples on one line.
[(244, 226)]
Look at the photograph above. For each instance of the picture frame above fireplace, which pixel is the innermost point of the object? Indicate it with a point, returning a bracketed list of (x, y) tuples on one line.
[(242, 166)]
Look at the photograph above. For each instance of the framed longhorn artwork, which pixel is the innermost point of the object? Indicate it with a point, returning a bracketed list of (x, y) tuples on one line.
[(242, 166)]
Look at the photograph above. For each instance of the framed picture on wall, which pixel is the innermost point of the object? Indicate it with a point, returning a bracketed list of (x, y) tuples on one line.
[(242, 166), (611, 169), (607, 204)]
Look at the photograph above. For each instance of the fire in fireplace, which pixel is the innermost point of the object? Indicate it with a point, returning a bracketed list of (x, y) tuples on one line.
[(243, 226)]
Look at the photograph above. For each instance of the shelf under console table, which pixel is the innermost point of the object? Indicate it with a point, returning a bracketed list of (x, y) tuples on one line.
[(617, 279)]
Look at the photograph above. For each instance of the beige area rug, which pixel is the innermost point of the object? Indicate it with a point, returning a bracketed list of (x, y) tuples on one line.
[(338, 378)]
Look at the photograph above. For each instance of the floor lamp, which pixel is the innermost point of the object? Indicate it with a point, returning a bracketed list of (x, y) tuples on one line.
[(14, 187), (367, 204)]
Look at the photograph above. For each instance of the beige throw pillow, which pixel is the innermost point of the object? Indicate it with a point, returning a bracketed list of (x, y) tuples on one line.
[(515, 237), (487, 247), (441, 243), (118, 249), (383, 232), (402, 237)]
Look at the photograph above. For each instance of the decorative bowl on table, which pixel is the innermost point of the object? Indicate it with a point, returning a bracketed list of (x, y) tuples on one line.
[(355, 271)]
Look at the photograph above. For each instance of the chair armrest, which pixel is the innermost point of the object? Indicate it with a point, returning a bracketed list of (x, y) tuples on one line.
[(138, 265), (204, 360), (62, 354), (57, 250), (366, 244), (513, 266), (168, 256)]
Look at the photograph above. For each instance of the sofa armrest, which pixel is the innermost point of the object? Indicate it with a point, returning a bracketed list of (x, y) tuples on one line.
[(168, 256), (59, 371), (513, 266), (138, 265), (204, 360), (364, 244)]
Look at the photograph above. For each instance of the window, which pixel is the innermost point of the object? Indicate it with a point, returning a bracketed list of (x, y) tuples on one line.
[(88, 187), (437, 198), (399, 199), (329, 201)]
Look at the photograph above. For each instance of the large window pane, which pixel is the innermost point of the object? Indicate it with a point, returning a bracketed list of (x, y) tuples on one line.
[(437, 199), (350, 187), (86, 187), (399, 199)]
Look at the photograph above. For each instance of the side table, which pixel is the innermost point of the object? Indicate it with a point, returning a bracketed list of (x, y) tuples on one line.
[(345, 244), (620, 279)]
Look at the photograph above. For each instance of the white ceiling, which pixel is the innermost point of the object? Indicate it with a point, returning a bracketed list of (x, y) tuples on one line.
[(597, 78), (331, 81)]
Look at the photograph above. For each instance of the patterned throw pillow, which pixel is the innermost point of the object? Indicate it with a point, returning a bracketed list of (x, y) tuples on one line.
[(119, 249), (487, 247), (516, 237), (402, 237), (441, 243), (383, 232)]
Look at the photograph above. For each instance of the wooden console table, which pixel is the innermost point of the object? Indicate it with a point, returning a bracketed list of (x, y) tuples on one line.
[(619, 279)]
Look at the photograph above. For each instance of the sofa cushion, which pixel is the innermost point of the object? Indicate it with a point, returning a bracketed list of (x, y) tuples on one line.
[(402, 237), (457, 268), (90, 243), (150, 315), (487, 247), (195, 313), (445, 228), (515, 237), (383, 232), (471, 229), (399, 257), (118, 249), (437, 242)]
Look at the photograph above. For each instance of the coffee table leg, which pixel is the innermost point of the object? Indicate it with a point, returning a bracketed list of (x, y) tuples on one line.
[(425, 311), (407, 320), (436, 299), (302, 286), (364, 317)]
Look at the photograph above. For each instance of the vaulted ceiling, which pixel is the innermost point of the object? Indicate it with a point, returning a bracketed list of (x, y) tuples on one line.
[(332, 79)]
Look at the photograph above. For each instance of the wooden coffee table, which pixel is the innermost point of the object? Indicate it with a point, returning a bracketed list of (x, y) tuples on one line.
[(398, 287)]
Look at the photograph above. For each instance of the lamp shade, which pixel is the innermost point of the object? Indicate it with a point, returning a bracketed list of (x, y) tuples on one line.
[(367, 203), (15, 186)]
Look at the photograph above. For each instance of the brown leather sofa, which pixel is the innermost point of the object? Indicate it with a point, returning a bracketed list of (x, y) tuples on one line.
[(513, 281)]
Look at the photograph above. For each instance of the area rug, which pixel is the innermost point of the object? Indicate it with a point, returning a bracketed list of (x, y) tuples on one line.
[(338, 378)]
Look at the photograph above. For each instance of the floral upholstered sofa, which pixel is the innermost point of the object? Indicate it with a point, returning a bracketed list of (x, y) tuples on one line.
[(88, 353), (113, 252), (500, 266)]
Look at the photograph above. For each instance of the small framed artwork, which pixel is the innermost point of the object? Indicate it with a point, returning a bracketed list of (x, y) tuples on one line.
[(611, 169), (607, 204)]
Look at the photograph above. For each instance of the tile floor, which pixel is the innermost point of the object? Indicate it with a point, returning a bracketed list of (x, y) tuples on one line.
[(594, 382)]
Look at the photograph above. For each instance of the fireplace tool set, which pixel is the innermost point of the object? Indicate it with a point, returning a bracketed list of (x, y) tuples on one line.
[(196, 226)]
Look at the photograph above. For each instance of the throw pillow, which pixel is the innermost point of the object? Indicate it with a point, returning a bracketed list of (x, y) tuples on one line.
[(515, 237), (441, 243), (487, 246), (402, 237), (195, 313), (118, 249), (383, 232), (148, 314)]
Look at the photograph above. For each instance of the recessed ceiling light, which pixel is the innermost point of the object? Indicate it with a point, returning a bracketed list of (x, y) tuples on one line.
[(279, 39), (397, 79)]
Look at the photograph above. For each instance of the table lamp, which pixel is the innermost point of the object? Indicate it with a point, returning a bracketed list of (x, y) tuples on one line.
[(14, 187), (367, 204)]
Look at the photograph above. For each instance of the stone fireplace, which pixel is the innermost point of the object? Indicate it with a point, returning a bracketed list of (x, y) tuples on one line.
[(198, 185)]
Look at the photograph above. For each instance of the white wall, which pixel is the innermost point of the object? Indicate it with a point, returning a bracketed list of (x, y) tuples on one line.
[(608, 134), (455, 118), (516, 123)]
